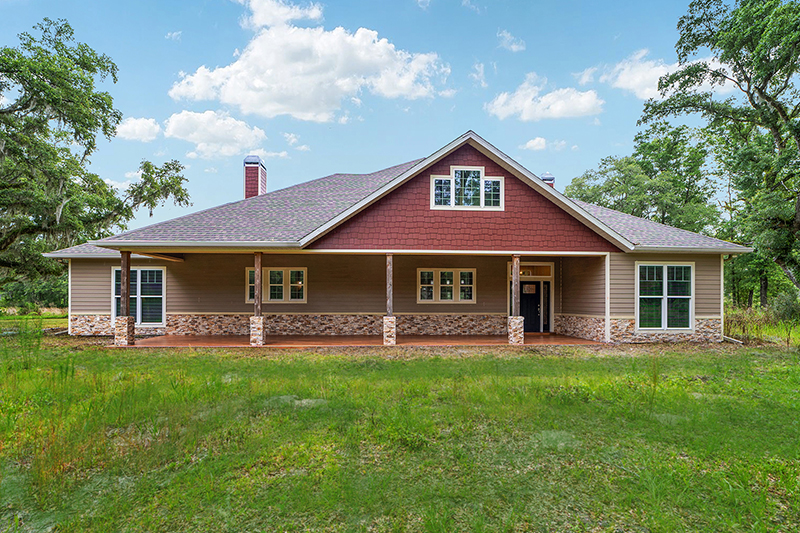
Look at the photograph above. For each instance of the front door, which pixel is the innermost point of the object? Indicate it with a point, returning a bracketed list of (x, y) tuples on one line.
[(534, 299), (530, 305)]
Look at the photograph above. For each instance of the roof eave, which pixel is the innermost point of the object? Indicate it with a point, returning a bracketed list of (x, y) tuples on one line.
[(733, 249), (188, 246)]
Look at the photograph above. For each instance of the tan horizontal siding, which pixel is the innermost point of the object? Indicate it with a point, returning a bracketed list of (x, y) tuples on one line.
[(215, 283), (583, 286), (706, 278), (91, 284)]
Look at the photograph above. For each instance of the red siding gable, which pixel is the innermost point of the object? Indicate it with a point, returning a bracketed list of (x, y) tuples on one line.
[(403, 219)]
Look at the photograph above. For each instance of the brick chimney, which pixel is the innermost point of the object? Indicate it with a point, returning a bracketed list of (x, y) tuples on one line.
[(255, 176), (549, 179)]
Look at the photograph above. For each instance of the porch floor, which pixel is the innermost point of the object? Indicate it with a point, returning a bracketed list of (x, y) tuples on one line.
[(316, 341)]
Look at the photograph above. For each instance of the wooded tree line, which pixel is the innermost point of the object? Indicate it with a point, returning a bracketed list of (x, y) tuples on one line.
[(736, 177)]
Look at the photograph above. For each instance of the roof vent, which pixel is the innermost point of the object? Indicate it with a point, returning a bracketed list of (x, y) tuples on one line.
[(549, 179), (255, 176)]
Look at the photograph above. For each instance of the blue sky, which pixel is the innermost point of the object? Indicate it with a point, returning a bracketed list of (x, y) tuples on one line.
[(355, 86)]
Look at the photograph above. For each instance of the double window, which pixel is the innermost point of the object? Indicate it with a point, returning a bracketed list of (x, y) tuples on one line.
[(466, 188), (439, 285), (664, 295), (146, 304), (279, 285)]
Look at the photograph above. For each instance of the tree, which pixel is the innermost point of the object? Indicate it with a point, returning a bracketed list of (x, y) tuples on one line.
[(753, 49), (665, 180), (51, 114), (786, 309)]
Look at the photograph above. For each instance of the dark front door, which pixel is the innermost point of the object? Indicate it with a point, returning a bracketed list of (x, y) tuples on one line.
[(530, 304)]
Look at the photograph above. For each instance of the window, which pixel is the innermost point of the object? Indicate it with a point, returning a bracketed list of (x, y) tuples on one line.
[(146, 304), (280, 285), (665, 296), (435, 285), (466, 188)]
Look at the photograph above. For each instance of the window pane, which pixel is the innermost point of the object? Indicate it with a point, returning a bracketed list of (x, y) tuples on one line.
[(679, 281), (650, 312), (466, 278), (134, 274), (426, 278), (468, 187), (251, 292), (678, 312), (491, 193), (651, 280), (446, 292), (276, 292), (441, 192), (151, 310), (296, 277), (466, 293), (446, 277), (426, 293), (151, 284), (276, 277), (118, 282), (131, 309), (251, 277), (296, 292)]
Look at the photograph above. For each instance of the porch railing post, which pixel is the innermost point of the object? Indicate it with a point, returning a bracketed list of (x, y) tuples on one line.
[(124, 324)]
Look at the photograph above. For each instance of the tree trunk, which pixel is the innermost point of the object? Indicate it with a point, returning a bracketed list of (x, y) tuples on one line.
[(763, 290), (750, 299)]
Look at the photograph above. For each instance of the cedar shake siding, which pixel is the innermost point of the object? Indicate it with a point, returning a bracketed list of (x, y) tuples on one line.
[(404, 220)]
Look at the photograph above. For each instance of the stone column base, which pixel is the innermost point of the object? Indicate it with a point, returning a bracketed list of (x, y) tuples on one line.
[(257, 330), (124, 331), (516, 330), (389, 330)]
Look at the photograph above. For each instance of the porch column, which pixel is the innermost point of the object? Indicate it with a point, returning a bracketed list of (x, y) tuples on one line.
[(516, 331), (389, 321), (257, 320), (124, 324)]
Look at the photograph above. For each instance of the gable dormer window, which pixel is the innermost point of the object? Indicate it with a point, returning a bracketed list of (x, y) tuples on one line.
[(467, 188)]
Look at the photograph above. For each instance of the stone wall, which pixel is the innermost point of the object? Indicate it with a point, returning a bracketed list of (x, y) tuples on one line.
[(208, 324), (82, 325), (705, 330), (583, 327), (452, 324)]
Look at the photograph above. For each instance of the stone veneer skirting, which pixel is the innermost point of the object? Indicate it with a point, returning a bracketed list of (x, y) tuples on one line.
[(583, 327), (705, 330), (81, 325), (452, 324)]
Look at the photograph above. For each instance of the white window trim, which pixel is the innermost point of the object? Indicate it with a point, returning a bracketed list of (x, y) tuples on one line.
[(456, 286), (163, 322), (265, 285), (664, 296), (484, 178)]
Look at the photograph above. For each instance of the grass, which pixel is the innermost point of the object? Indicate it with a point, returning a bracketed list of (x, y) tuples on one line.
[(669, 438), (14, 322)]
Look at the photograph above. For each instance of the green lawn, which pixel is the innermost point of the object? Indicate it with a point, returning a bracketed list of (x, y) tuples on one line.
[(13, 322), (557, 439)]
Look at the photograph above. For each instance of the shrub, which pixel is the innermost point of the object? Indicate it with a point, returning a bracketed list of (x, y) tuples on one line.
[(786, 310)]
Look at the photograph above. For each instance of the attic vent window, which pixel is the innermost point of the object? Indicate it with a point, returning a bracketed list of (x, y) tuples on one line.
[(467, 188)]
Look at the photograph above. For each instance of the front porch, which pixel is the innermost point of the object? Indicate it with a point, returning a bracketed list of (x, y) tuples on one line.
[(321, 341)]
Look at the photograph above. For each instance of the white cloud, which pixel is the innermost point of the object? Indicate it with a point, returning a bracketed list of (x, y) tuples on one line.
[(530, 104), (477, 75), (423, 3), (557, 146), (138, 129), (269, 155), (448, 93), (303, 148), (535, 144), (639, 75), (291, 138), (509, 42), (586, 76), (211, 170), (134, 174), (356, 101), (575, 148), (470, 5), (173, 35), (214, 133), (278, 12), (306, 73), (118, 185)]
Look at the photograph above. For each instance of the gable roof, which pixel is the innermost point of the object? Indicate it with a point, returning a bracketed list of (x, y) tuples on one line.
[(293, 217)]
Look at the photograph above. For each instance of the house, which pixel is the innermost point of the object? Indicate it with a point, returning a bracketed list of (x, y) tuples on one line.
[(463, 242)]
